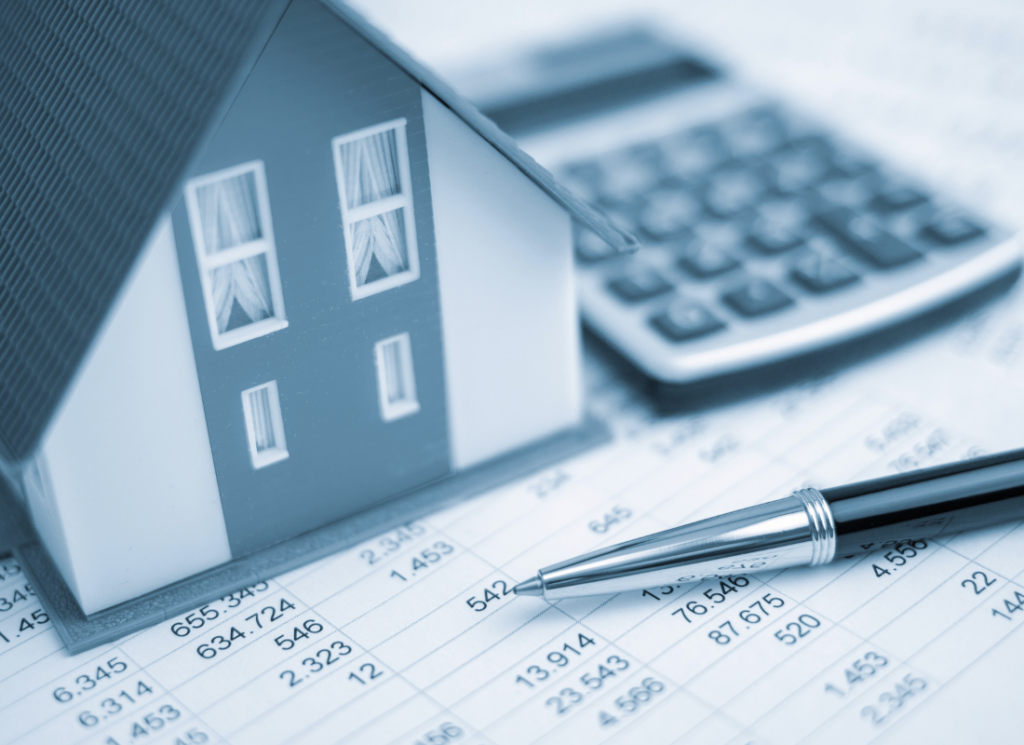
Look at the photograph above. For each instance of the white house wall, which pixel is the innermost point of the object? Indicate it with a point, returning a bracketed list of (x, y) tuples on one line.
[(133, 494), (508, 306)]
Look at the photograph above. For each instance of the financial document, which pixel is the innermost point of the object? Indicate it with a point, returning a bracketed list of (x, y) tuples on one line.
[(415, 636)]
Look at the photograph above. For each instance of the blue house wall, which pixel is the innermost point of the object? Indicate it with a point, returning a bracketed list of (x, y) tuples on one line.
[(315, 80)]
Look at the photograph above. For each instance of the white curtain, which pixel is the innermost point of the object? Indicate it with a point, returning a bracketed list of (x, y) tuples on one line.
[(230, 213), (229, 210), (382, 236), (371, 168), (262, 419), (247, 283), (393, 372)]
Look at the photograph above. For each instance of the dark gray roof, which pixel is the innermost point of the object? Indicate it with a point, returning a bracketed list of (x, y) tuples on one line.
[(104, 104)]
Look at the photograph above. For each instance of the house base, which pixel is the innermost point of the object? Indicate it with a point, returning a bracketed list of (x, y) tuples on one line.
[(80, 632)]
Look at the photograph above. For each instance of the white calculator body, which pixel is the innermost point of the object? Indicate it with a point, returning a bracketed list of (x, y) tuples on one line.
[(767, 237)]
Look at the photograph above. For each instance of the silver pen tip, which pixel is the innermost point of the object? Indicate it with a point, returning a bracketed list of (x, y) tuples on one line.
[(532, 586)]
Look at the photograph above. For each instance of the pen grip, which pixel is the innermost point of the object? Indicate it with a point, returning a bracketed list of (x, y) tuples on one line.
[(959, 496)]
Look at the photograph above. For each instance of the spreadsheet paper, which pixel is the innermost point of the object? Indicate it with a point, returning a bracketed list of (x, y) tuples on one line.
[(415, 636)]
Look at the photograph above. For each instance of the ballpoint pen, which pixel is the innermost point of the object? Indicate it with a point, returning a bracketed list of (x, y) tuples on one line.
[(809, 528)]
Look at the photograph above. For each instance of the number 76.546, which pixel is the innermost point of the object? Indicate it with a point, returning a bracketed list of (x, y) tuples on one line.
[(753, 613)]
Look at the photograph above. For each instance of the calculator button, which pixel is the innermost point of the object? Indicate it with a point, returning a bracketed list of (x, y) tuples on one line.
[(685, 319), (590, 248), (796, 169), (847, 192), (668, 214), (703, 259), (692, 154), (757, 298), (949, 229), (625, 179), (732, 191), (847, 163), (897, 197), (866, 239), (639, 283), (646, 152), (754, 133), (819, 273), (779, 226), (773, 236)]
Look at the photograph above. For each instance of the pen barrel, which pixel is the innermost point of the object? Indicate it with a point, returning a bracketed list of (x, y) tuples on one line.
[(923, 504), (769, 536)]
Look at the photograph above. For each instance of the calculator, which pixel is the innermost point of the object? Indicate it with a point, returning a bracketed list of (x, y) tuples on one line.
[(767, 237)]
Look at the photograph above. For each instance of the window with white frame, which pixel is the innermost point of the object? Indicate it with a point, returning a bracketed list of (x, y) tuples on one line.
[(374, 187), (396, 381), (264, 424), (229, 214)]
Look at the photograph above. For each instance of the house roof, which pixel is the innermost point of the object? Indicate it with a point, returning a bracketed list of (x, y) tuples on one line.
[(104, 106)]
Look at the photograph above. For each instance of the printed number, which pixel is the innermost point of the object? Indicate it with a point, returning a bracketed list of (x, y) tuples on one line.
[(1010, 606), (611, 666), (617, 515), (445, 732), (658, 593), (154, 721), (392, 542), (497, 591), (720, 448), (725, 586), (719, 637), (693, 607), (559, 659), (980, 577), (890, 702), (862, 668), (270, 613), (369, 672), (548, 483), (194, 620), (565, 700), (324, 657), (318, 661), (112, 706), (425, 558), (800, 628), (892, 432), (87, 682), (219, 643), (38, 617), (901, 552), (309, 626), (8, 570), (631, 701), (194, 736), (235, 599), (21, 594)]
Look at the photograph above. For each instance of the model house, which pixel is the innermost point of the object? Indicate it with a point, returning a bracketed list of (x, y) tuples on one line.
[(259, 271)]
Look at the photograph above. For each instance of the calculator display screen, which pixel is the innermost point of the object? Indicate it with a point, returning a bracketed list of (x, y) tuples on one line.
[(594, 97), (557, 85)]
